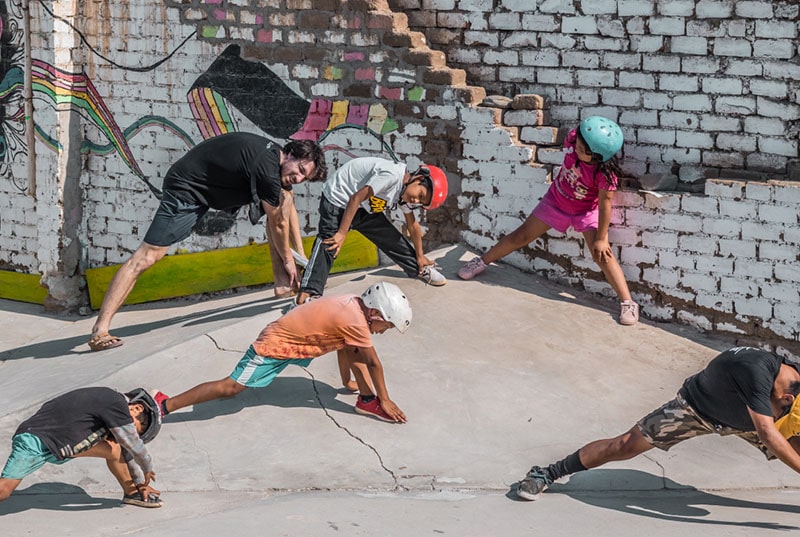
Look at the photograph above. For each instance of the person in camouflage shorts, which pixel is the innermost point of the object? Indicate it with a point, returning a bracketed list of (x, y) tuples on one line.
[(742, 392), (676, 421)]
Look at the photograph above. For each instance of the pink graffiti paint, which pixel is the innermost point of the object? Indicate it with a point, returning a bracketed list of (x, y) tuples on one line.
[(353, 56), (390, 93), (319, 114), (367, 73), (358, 114), (264, 36)]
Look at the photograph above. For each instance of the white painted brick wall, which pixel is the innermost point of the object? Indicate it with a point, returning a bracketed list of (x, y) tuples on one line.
[(709, 250), (643, 62)]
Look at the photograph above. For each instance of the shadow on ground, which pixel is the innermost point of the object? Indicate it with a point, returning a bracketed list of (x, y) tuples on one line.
[(505, 276), (55, 497), (642, 494), (284, 392), (61, 347)]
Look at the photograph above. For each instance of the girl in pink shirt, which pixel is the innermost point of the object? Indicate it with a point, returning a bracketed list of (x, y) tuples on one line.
[(579, 197)]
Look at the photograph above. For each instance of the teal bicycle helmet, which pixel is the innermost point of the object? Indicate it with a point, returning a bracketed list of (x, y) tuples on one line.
[(602, 135)]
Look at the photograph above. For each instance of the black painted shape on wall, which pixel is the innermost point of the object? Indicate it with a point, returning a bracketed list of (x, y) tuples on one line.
[(257, 92), (215, 223)]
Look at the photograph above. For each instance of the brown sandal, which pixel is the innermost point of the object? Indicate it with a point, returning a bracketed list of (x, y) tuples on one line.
[(102, 342)]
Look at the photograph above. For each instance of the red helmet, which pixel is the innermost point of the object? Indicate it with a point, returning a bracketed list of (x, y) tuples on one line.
[(438, 183)]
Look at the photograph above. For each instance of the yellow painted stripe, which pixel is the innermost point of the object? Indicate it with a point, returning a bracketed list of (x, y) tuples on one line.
[(22, 287), (202, 272)]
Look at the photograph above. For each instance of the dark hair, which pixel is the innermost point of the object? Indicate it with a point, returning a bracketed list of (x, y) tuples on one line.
[(610, 168), (423, 176), (143, 416), (308, 149), (794, 387)]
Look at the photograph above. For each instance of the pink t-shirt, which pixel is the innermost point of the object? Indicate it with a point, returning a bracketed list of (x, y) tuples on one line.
[(323, 325), (576, 188)]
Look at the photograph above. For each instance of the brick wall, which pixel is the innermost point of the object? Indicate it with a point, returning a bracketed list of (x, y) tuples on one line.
[(721, 260), (698, 86)]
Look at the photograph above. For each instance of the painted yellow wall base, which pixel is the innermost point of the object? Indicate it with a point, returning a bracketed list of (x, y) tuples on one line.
[(22, 287), (202, 272)]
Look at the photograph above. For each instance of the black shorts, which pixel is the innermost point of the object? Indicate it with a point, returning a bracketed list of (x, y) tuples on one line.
[(173, 221)]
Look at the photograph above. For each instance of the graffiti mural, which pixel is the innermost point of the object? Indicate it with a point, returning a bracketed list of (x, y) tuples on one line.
[(12, 109), (253, 89), (230, 87)]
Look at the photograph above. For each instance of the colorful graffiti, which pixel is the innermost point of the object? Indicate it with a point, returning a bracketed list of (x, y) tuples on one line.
[(265, 99), (12, 111), (76, 91), (231, 87)]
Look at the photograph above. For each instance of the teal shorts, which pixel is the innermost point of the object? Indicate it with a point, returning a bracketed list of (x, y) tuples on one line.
[(28, 454), (254, 371)]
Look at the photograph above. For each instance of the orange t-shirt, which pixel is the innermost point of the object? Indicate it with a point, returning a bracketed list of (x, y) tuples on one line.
[(323, 325)]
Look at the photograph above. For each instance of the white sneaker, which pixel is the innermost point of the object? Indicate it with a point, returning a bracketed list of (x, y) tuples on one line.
[(628, 312), (432, 276)]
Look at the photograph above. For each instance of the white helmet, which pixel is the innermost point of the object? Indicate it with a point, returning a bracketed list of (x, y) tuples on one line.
[(391, 302)]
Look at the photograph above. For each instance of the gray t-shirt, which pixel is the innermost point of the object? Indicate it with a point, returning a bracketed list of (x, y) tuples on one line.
[(385, 177)]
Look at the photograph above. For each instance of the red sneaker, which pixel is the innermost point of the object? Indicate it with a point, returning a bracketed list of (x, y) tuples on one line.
[(161, 400), (373, 408)]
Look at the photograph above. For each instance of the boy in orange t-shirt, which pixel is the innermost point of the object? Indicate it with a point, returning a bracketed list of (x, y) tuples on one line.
[(336, 323)]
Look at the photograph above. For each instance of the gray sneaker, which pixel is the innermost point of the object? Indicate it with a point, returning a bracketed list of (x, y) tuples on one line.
[(533, 484), (431, 276)]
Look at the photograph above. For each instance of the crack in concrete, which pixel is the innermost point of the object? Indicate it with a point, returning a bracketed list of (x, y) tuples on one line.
[(432, 477), (396, 478), (207, 455), (219, 348), (661, 467), (397, 485)]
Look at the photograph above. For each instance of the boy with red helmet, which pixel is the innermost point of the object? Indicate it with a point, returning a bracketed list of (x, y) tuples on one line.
[(356, 196)]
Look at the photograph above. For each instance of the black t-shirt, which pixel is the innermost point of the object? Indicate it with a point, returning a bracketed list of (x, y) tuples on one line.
[(222, 172), (738, 378), (74, 422)]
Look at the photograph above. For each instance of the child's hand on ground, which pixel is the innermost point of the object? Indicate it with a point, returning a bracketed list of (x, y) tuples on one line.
[(335, 243), (394, 411)]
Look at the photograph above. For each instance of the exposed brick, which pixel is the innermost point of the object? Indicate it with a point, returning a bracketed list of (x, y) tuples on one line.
[(287, 54), (364, 91), (472, 95), (431, 58), (404, 39), (445, 77), (314, 20)]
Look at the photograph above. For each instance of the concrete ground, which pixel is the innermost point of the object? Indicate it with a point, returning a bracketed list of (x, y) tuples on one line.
[(495, 375)]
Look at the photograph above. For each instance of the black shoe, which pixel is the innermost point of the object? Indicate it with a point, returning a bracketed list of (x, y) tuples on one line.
[(533, 484)]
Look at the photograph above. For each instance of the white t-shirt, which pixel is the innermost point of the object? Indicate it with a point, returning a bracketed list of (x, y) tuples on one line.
[(385, 177)]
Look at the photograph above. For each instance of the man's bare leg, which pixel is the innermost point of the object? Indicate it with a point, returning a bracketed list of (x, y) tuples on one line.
[(122, 284)]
